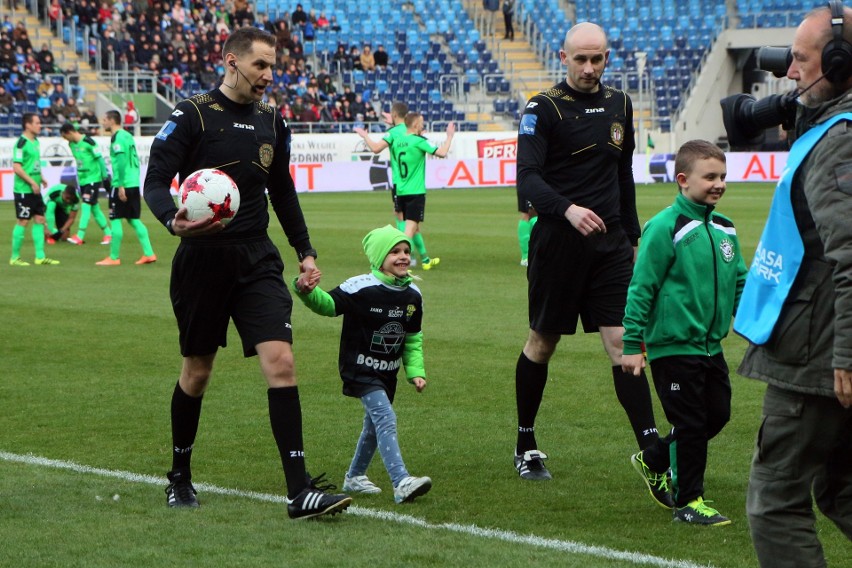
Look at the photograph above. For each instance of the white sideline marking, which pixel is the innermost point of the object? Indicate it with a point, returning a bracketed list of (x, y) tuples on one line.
[(567, 546)]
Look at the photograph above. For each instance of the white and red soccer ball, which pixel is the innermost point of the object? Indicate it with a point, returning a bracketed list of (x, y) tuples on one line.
[(210, 193)]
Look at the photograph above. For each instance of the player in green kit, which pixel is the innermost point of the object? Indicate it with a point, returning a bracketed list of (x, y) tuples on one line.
[(396, 120), (61, 204), (409, 152), (124, 197), (91, 173), (26, 163)]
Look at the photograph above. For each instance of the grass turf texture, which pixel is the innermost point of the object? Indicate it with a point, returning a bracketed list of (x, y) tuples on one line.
[(90, 360)]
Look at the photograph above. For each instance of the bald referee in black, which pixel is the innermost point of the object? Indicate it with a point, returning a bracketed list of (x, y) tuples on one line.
[(575, 146)]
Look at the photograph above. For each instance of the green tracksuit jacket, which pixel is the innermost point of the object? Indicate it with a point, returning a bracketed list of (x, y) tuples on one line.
[(686, 284)]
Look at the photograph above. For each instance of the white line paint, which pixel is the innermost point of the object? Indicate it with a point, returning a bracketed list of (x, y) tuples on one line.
[(567, 546)]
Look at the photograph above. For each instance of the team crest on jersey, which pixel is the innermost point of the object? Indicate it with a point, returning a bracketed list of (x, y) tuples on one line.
[(726, 247), (409, 311), (266, 154), (616, 133)]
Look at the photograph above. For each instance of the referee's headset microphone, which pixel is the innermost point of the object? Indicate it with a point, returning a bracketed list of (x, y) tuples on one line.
[(237, 69)]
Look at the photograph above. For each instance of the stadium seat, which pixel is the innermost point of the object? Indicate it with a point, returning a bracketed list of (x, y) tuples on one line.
[(499, 106), (491, 85)]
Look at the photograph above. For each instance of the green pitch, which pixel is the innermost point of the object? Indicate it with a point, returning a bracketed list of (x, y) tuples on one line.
[(89, 360)]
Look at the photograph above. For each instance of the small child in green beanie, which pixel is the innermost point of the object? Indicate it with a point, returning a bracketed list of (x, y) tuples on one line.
[(382, 314)]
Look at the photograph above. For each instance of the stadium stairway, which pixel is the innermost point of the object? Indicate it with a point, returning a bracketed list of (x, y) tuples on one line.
[(517, 58), (64, 54)]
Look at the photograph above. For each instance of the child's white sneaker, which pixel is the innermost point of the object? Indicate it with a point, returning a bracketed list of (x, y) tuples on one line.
[(411, 487), (360, 484)]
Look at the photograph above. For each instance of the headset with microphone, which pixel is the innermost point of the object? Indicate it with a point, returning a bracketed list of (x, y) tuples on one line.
[(233, 64), (837, 53)]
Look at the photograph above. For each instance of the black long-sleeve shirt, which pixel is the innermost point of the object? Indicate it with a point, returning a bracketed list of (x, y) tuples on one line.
[(249, 142), (577, 148)]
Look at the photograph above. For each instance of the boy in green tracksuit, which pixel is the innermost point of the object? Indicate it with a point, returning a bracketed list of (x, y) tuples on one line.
[(91, 173), (125, 200), (61, 205), (686, 285)]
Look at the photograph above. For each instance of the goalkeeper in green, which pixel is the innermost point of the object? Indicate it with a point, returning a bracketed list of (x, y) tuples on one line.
[(91, 173), (124, 197)]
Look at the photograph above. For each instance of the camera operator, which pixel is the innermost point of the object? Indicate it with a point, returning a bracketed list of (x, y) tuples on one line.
[(796, 310)]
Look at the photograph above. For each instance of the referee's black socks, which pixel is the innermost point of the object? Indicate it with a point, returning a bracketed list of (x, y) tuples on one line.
[(285, 416), (635, 397), (530, 379), (186, 412)]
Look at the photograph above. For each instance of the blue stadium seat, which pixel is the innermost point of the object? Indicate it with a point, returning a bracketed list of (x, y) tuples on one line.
[(492, 85), (499, 106)]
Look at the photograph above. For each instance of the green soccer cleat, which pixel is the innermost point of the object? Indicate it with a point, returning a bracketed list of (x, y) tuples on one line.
[(46, 261), (657, 483), (698, 513), (18, 262), (431, 263)]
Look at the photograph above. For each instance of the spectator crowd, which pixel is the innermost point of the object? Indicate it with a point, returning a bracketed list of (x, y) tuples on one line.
[(181, 44)]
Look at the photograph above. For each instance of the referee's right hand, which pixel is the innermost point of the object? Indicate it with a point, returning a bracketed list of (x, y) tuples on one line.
[(584, 220), (183, 227)]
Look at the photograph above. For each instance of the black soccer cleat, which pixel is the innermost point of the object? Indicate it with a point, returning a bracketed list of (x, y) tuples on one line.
[(180, 492), (313, 501), (530, 465)]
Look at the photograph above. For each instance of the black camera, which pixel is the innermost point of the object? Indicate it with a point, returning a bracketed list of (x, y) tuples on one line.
[(776, 60), (746, 118)]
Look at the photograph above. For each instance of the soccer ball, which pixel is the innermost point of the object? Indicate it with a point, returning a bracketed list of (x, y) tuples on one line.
[(210, 193)]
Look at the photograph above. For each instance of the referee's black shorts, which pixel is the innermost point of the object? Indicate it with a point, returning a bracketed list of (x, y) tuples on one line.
[(573, 276), (213, 282), (130, 209)]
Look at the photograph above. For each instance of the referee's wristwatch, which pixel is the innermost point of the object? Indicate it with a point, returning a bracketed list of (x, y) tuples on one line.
[(306, 253)]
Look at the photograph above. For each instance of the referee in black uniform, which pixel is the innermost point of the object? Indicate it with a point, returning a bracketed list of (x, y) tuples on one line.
[(235, 273), (575, 146)]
